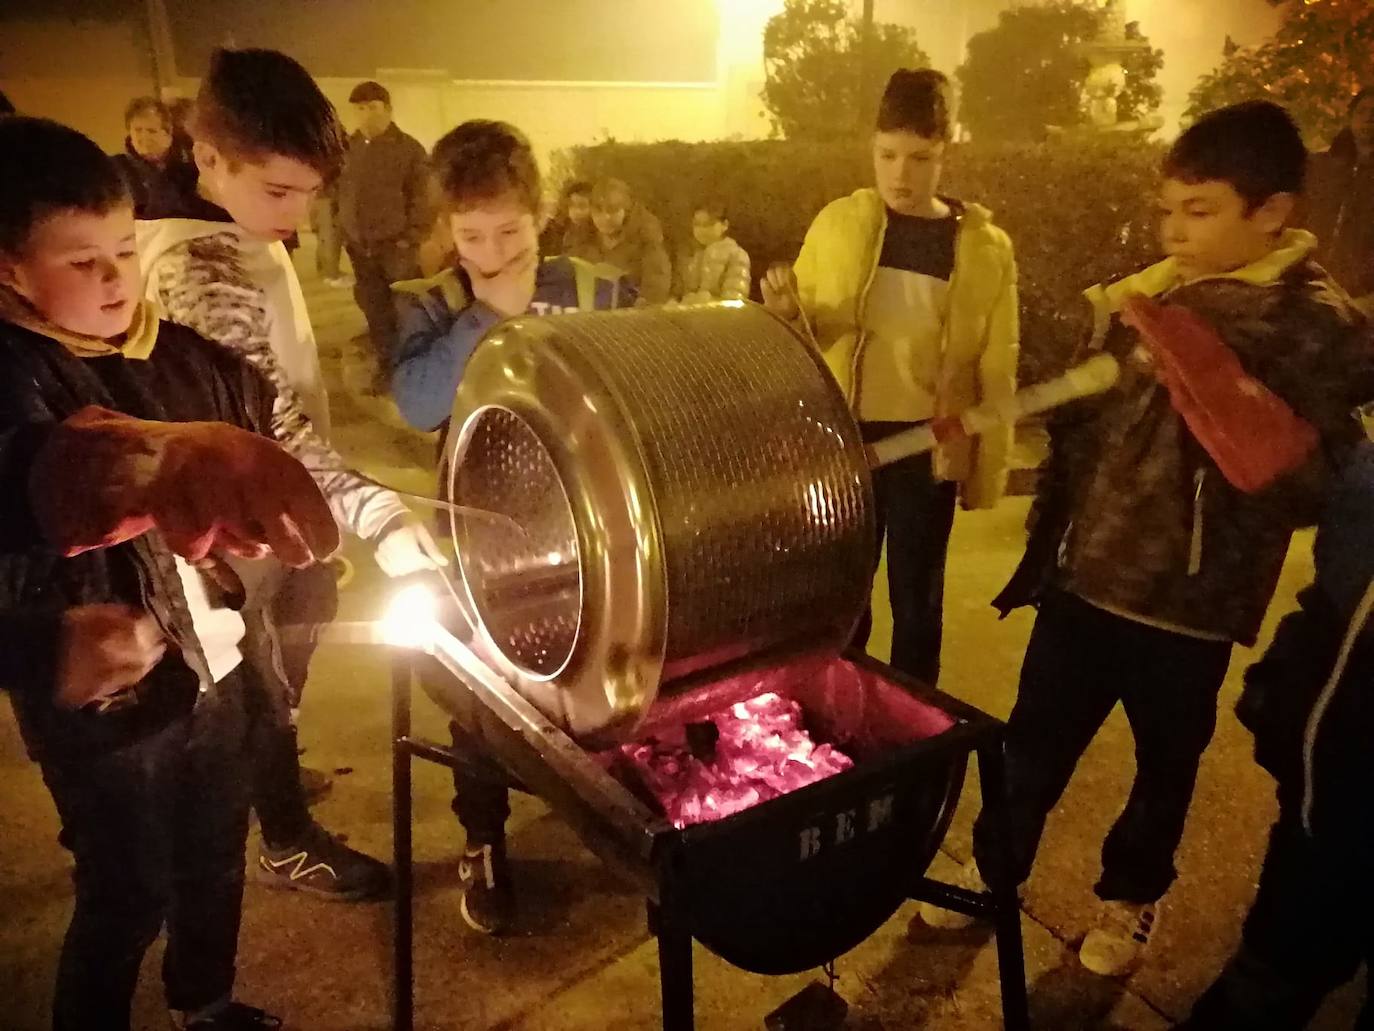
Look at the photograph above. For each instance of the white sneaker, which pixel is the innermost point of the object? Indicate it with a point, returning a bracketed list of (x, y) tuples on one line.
[(1121, 936), (947, 919)]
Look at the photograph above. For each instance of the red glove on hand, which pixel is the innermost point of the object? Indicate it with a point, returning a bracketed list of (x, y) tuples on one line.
[(1250, 432), (103, 478)]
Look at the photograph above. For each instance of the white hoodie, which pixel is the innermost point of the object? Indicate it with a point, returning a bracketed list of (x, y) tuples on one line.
[(243, 293)]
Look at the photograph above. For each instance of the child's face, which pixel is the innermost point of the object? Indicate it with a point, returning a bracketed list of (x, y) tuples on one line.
[(608, 214), (1205, 226), (708, 229), (79, 270), (494, 234), (268, 199), (579, 208), (150, 136), (906, 170)]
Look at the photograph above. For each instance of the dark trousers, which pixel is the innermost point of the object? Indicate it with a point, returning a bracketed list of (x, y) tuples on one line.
[(1080, 662), (916, 513), (375, 267), (157, 829), (307, 600), (1311, 925)]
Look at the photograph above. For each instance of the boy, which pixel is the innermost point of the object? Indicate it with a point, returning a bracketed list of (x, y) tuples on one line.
[(490, 188), (1309, 704), (265, 139), (571, 222), (384, 214), (141, 745), (626, 236), (912, 297), (717, 269), (1157, 565)]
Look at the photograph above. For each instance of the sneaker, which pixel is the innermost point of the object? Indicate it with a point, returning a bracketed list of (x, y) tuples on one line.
[(488, 903), (969, 879), (339, 282), (1122, 933), (234, 1016), (320, 864)]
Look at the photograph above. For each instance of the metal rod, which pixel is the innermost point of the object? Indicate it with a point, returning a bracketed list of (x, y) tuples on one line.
[(1011, 957), (403, 970)]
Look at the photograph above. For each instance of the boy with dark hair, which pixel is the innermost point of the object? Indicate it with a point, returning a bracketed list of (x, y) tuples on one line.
[(490, 187), (157, 160), (384, 214), (717, 268), (1147, 561), (912, 299), (571, 222), (627, 236), (142, 746), (266, 139)]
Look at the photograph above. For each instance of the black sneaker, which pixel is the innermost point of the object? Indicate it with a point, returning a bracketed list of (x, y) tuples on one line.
[(234, 1017), (320, 864), (488, 903)]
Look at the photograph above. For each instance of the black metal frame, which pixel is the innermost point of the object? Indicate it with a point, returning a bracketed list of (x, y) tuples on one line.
[(666, 921)]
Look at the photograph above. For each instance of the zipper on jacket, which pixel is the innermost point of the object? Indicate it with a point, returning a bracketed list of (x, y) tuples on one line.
[(1195, 544)]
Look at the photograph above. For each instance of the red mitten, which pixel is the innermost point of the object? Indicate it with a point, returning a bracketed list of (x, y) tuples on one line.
[(1251, 433)]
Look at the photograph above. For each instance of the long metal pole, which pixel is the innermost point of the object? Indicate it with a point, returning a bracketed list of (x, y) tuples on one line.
[(403, 970), (164, 49)]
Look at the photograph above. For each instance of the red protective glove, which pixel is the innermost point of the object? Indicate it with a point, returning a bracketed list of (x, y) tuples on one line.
[(1251, 433), (103, 478)]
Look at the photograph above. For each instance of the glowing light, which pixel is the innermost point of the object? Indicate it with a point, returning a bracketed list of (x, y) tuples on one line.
[(411, 619)]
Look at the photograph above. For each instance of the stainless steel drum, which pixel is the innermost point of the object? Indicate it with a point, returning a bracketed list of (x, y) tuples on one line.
[(684, 492)]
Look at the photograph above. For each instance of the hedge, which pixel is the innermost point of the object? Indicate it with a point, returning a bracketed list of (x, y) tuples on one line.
[(1078, 211)]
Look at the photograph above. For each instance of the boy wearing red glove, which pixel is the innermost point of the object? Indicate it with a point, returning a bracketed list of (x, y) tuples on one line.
[(1168, 503)]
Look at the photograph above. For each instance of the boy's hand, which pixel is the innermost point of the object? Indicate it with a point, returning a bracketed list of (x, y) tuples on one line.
[(103, 478), (510, 290), (102, 650), (408, 547), (779, 289)]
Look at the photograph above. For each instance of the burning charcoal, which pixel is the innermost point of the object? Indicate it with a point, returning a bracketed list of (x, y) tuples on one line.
[(702, 738)]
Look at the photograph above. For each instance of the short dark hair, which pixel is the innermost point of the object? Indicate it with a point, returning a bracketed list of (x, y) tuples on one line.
[(577, 188), (46, 168), (1254, 146), (609, 186), (146, 105), (481, 160), (257, 103), (714, 207), (916, 100), (368, 91)]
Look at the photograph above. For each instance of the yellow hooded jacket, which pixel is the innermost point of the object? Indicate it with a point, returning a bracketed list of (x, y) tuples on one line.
[(980, 340)]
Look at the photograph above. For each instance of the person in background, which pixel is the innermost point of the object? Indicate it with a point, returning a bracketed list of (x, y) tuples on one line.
[(717, 268), (911, 296), (571, 222), (384, 215), (627, 237), (1341, 203), (324, 223), (156, 161)]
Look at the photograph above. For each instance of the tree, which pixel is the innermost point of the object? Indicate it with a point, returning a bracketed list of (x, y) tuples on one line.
[(813, 55), (1321, 55), (1027, 72)]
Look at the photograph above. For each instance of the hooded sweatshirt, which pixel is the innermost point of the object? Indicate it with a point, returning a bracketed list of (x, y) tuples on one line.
[(242, 293)]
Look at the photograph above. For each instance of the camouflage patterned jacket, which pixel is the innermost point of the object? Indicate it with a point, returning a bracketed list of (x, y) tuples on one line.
[(1132, 513)]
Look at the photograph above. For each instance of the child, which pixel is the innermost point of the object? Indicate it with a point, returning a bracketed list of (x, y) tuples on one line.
[(490, 185), (141, 745), (627, 237), (1158, 565), (912, 298), (571, 222), (717, 269), (265, 141)]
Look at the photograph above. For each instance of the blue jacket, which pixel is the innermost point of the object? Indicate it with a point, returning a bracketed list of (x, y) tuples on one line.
[(439, 325)]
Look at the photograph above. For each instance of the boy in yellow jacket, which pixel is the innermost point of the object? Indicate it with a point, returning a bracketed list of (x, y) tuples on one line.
[(911, 296)]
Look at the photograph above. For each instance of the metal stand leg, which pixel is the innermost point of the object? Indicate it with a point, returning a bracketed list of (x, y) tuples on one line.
[(403, 971), (674, 968), (1011, 959)]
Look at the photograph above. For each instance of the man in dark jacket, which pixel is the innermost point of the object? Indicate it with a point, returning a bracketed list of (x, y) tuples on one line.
[(384, 214), (156, 161)]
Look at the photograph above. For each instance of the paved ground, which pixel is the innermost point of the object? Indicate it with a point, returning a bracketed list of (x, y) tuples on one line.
[(583, 959)]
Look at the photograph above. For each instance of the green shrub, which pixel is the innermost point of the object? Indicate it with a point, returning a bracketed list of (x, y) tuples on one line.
[(1079, 212)]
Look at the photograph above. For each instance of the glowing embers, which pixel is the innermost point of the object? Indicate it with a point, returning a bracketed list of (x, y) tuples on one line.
[(750, 753)]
